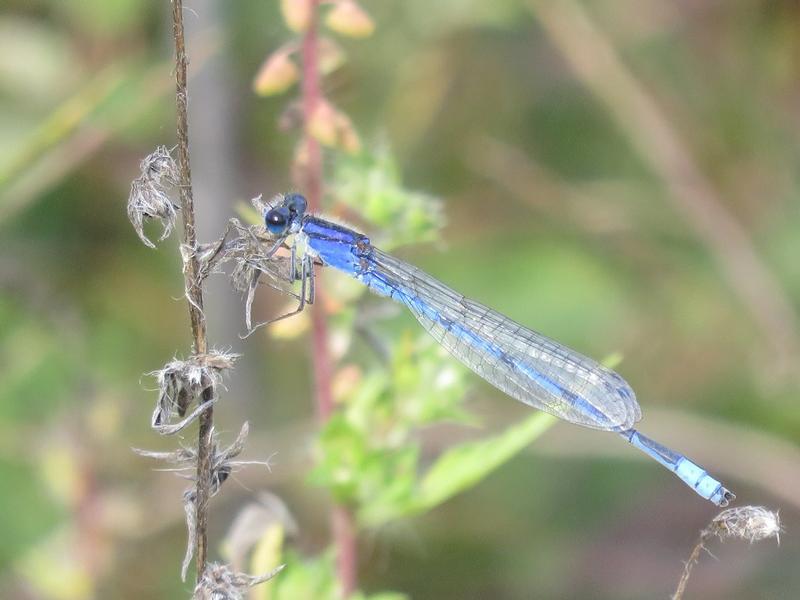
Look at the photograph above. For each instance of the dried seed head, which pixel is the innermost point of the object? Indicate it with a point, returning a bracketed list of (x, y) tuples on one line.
[(184, 460), (220, 582), (182, 382), (256, 260), (183, 456), (256, 256), (751, 523), (222, 464), (201, 260), (160, 168), (149, 198), (190, 511), (221, 468)]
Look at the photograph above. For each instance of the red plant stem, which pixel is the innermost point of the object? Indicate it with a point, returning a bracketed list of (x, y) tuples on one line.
[(311, 99), (344, 534), (313, 188), (342, 522)]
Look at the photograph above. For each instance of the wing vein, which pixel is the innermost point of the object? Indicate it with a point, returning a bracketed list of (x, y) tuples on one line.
[(520, 362)]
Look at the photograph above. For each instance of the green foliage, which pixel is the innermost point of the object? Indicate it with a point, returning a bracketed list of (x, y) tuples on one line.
[(370, 184), (37, 374), (306, 578), (315, 578), (366, 452), (458, 469), (26, 514)]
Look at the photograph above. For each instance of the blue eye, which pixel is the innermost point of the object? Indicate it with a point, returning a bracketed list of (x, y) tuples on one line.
[(277, 220), (295, 203)]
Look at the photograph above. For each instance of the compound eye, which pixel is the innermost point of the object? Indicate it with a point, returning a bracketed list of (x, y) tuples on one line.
[(295, 203), (277, 220)]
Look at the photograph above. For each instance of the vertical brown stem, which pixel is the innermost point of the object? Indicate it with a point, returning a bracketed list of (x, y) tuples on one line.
[(193, 287), (687, 568), (342, 523)]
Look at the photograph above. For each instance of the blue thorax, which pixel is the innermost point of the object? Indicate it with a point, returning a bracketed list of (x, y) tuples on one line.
[(335, 245)]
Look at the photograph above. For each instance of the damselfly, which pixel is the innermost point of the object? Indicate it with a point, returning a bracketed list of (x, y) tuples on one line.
[(518, 361)]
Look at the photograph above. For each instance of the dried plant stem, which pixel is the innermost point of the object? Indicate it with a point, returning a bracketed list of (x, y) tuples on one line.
[(342, 522), (194, 289), (690, 563), (748, 523)]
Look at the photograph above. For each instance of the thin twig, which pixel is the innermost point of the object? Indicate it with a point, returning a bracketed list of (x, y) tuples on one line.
[(343, 525), (194, 290), (637, 114), (749, 523)]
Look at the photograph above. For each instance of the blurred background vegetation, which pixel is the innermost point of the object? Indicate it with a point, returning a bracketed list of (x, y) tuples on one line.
[(619, 175)]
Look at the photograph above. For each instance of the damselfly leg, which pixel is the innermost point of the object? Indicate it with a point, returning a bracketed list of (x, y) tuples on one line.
[(306, 295)]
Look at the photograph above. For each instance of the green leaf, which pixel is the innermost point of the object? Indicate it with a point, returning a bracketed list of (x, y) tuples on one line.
[(460, 468), (463, 466), (366, 453), (313, 578), (343, 451), (371, 185)]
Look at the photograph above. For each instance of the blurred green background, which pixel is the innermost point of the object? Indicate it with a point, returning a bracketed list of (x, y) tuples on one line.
[(619, 175)]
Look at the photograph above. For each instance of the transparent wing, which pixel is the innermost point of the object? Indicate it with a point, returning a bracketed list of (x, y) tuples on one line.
[(522, 363)]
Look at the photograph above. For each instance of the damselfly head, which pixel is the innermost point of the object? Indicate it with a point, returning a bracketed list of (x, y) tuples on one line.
[(278, 220), (296, 204), (281, 219)]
